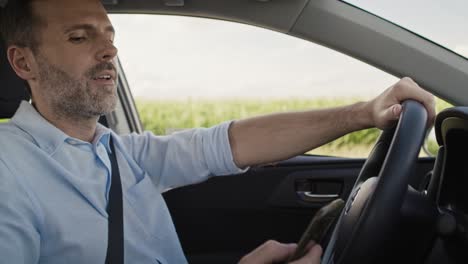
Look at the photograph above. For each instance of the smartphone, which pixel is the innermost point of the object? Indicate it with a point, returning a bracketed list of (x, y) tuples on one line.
[(318, 227)]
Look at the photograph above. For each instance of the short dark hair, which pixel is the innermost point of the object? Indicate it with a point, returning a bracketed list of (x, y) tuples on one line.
[(19, 25)]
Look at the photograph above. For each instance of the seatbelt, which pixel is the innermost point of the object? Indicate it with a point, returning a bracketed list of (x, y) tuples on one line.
[(115, 241)]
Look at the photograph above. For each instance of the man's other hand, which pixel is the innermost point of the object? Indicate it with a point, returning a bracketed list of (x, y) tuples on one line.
[(386, 107), (275, 252)]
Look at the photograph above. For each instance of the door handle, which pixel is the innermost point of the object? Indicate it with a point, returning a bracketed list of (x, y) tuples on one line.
[(310, 197)]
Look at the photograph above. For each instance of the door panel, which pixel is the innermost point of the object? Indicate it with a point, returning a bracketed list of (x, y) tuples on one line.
[(224, 218)]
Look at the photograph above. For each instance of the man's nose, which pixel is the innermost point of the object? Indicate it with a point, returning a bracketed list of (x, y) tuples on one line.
[(107, 52)]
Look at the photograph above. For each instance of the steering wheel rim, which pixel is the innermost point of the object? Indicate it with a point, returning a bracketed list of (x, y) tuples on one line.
[(373, 207)]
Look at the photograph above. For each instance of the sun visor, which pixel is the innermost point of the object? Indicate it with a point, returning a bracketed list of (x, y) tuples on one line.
[(105, 2)]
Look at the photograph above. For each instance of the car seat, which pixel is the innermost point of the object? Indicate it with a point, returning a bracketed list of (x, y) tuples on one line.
[(12, 88)]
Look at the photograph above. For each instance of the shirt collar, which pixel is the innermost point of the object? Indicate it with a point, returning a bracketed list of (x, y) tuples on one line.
[(46, 135), (102, 136)]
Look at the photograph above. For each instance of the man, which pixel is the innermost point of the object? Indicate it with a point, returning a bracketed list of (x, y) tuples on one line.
[(55, 170)]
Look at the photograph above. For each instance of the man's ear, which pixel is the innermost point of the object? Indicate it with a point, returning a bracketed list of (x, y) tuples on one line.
[(22, 61)]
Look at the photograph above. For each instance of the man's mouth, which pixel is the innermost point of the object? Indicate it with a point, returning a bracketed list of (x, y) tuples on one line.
[(106, 77), (103, 81)]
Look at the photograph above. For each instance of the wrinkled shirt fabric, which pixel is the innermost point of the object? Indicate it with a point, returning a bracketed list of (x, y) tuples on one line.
[(54, 189)]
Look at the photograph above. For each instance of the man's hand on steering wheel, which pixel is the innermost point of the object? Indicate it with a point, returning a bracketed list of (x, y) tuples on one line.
[(386, 108)]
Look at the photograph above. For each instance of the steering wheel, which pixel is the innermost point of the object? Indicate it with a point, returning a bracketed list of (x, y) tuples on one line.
[(372, 211)]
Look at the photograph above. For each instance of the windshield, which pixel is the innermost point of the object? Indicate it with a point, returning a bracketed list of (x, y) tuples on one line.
[(443, 22)]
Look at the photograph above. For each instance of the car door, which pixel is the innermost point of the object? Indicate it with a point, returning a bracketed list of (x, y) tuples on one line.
[(226, 217)]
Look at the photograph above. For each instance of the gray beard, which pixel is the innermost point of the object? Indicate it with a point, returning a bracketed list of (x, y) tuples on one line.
[(72, 98)]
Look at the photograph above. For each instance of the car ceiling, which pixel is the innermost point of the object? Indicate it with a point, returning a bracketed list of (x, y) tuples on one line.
[(336, 25), (278, 15)]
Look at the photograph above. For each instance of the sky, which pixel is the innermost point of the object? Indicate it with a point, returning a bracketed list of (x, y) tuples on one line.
[(169, 57)]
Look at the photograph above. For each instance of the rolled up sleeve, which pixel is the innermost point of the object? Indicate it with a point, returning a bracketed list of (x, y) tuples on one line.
[(185, 157)]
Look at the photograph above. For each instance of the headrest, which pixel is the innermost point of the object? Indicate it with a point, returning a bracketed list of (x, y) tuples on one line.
[(455, 118), (12, 88)]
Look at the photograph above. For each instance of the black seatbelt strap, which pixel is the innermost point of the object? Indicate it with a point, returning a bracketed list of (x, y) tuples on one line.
[(115, 241)]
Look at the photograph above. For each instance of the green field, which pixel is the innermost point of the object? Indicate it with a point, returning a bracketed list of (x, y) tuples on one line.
[(164, 117)]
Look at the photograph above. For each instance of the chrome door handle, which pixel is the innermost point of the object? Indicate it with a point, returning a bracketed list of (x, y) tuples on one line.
[(316, 198)]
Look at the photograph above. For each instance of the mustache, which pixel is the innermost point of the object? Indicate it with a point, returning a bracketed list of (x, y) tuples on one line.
[(101, 67)]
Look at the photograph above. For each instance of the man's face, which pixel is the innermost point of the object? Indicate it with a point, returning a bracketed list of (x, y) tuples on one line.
[(75, 59)]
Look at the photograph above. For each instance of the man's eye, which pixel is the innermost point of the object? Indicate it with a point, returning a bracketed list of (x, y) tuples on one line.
[(77, 39)]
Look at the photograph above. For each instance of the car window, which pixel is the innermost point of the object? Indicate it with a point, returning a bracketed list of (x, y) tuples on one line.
[(192, 72)]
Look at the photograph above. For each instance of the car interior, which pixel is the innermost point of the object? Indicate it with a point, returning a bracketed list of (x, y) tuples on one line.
[(400, 208), (13, 88)]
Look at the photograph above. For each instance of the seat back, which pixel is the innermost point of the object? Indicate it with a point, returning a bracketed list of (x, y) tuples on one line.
[(12, 88)]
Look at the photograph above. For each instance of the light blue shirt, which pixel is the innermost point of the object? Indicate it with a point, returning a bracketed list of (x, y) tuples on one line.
[(54, 189)]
